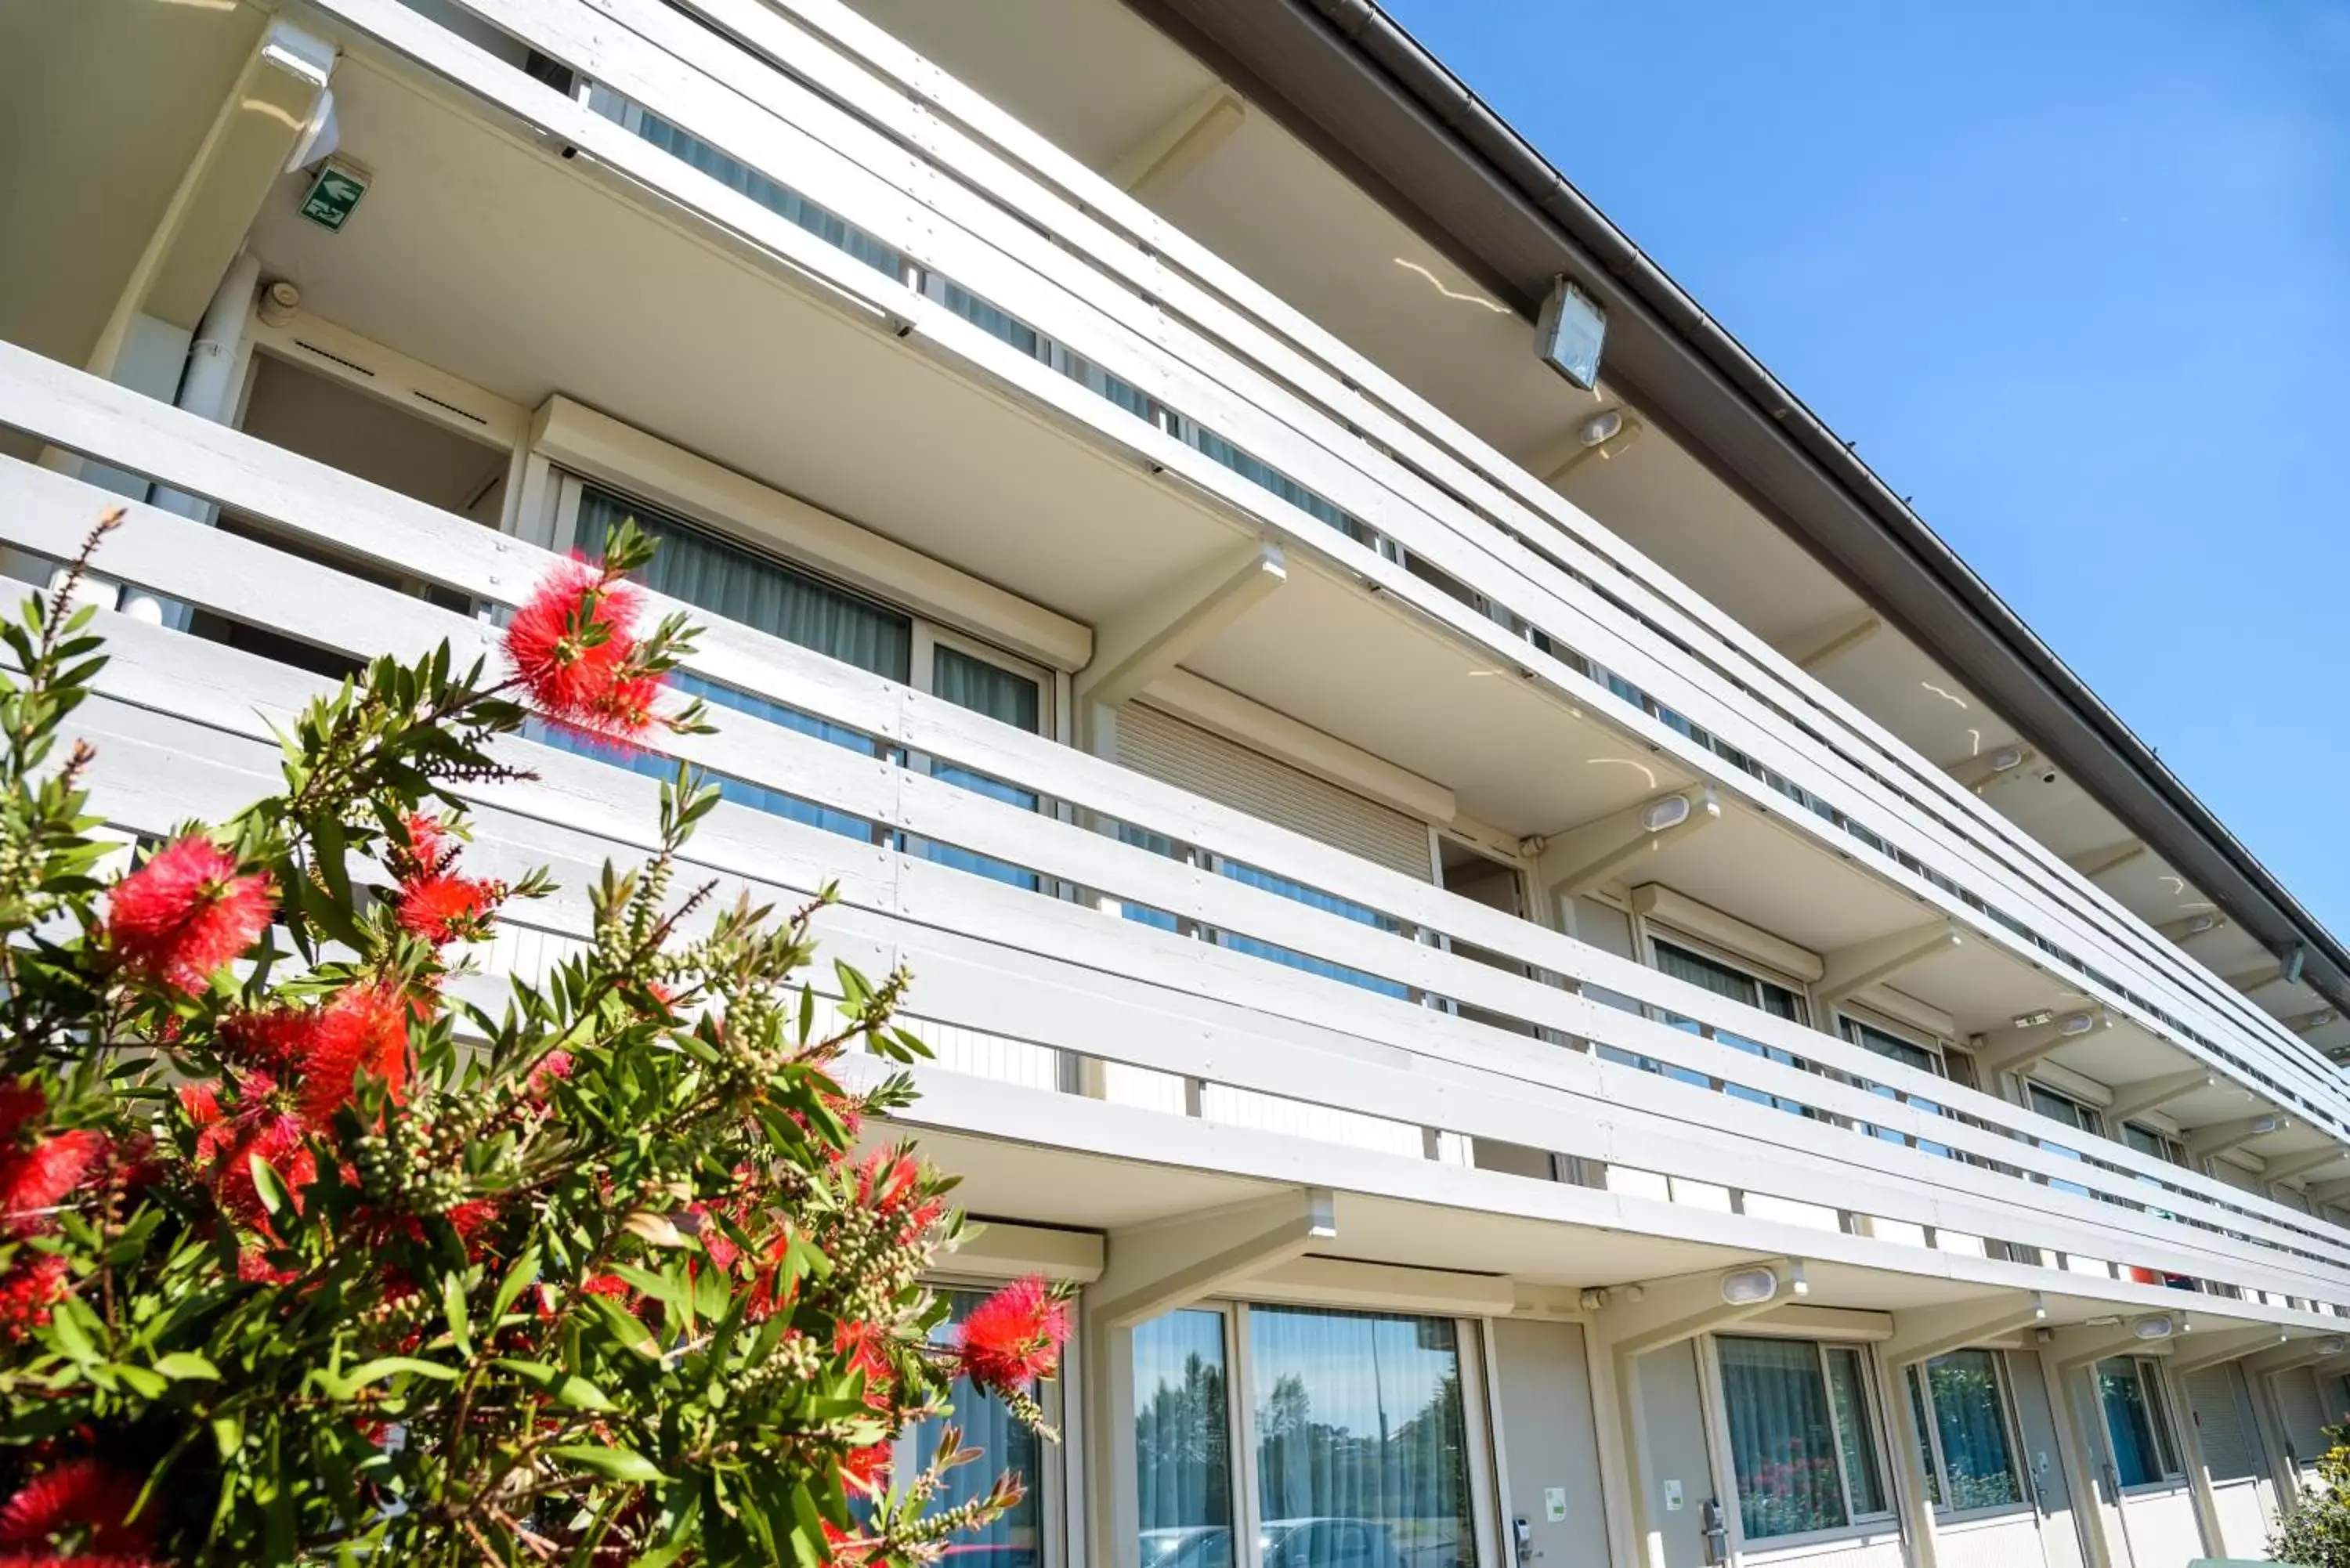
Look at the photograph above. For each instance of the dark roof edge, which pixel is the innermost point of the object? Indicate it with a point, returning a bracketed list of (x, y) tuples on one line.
[(1354, 84)]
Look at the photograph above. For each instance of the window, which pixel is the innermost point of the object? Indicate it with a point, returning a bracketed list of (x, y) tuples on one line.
[(1017, 1540), (2146, 1140), (740, 585), (1356, 1428), (1961, 1410), (1802, 1436), (2072, 1113), (1736, 984), (1882, 1042), (1183, 1434), (2136, 1423)]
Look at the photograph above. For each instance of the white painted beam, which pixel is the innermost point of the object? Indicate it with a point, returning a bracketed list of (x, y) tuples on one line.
[(1849, 971), (2198, 1351), (1581, 858), (1820, 644), (1135, 645), (1922, 1334), (1161, 159), (1154, 1269), (2285, 1167), (2082, 1344), (2106, 859), (2325, 1192), (262, 123), (2311, 1022), (2010, 1049), (2254, 979), (2186, 928), (2003, 762), (1637, 1319), (2296, 1351), (2219, 1137), (2153, 1094)]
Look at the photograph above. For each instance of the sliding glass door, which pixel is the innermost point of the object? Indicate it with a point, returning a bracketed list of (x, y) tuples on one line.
[(1361, 1436)]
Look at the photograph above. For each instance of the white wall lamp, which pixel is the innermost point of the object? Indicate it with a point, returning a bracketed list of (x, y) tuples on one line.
[(1749, 1287), (1668, 811)]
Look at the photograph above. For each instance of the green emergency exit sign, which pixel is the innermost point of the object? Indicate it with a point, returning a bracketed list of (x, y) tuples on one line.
[(335, 193)]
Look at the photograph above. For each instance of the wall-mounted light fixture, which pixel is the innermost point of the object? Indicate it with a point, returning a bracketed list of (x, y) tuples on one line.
[(1570, 334), (1749, 1287)]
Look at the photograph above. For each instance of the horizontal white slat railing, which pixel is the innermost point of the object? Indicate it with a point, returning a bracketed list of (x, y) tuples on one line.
[(1069, 300), (846, 54), (1617, 1114)]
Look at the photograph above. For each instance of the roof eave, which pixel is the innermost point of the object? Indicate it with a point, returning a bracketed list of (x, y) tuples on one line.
[(1346, 78)]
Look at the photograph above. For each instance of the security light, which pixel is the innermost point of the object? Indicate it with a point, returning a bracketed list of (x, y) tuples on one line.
[(1749, 1287), (1669, 812), (1600, 426), (2158, 1326), (2077, 1024)]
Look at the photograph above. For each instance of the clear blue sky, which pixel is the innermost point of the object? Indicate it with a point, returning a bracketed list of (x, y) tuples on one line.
[(2076, 275)]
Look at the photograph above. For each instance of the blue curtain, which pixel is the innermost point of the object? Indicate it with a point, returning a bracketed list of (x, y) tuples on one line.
[(1970, 1418), (1015, 1540), (2139, 1457), (1361, 1453), (1782, 1440), (1182, 1442), (1009, 699)]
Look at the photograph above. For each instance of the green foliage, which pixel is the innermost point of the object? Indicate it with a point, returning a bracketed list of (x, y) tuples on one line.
[(2315, 1532), (363, 1259)]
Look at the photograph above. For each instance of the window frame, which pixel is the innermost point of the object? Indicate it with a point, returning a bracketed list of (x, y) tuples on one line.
[(2009, 1425), (2154, 1394), (1239, 1420), (1653, 935), (1055, 1502), (1875, 1524)]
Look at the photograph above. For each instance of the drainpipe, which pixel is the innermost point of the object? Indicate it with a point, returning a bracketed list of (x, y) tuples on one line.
[(208, 391)]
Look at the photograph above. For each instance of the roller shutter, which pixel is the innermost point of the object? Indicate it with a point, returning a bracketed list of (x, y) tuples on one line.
[(1151, 741), (2231, 1444), (2304, 1412)]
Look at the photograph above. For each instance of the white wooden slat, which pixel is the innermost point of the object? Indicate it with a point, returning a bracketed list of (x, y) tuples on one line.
[(1506, 994), (1051, 389), (1752, 1126), (891, 83), (716, 56)]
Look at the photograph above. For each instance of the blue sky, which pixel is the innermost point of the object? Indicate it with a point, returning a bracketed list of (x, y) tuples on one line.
[(2076, 276)]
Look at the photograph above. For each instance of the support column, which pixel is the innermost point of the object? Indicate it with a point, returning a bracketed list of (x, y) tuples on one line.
[(1631, 1321), (1919, 1337), (2132, 1100), (2219, 1137), (1847, 971)]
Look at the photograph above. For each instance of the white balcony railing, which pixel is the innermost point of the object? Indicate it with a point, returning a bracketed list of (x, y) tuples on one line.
[(983, 243), (1022, 983)]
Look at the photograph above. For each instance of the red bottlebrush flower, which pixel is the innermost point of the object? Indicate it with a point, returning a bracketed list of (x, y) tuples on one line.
[(429, 841), (35, 1179), (84, 1494), (319, 1050), (554, 1066), (574, 647), (21, 1105), (186, 912), (28, 1291), (867, 1469), (1013, 1337), (610, 1286), (442, 909), (200, 1102)]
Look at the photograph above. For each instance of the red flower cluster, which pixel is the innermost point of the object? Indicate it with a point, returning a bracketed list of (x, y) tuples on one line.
[(185, 913), (573, 645), (434, 902), (85, 1495), (317, 1051), (37, 1174), (1013, 1337)]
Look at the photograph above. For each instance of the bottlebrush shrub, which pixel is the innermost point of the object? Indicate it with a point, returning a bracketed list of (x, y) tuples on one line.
[(308, 1254)]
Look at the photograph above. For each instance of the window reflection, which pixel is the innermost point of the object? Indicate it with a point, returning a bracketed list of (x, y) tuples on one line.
[(1361, 1450)]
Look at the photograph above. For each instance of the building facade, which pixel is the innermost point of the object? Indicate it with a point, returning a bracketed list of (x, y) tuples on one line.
[(1572, 988)]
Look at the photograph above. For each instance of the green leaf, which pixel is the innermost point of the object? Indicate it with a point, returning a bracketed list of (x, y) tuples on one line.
[(518, 1280), (185, 1363), (807, 1529), (140, 1381), (623, 1325), (453, 1307), (267, 1185), (620, 1464), (567, 1388), (384, 1367)]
